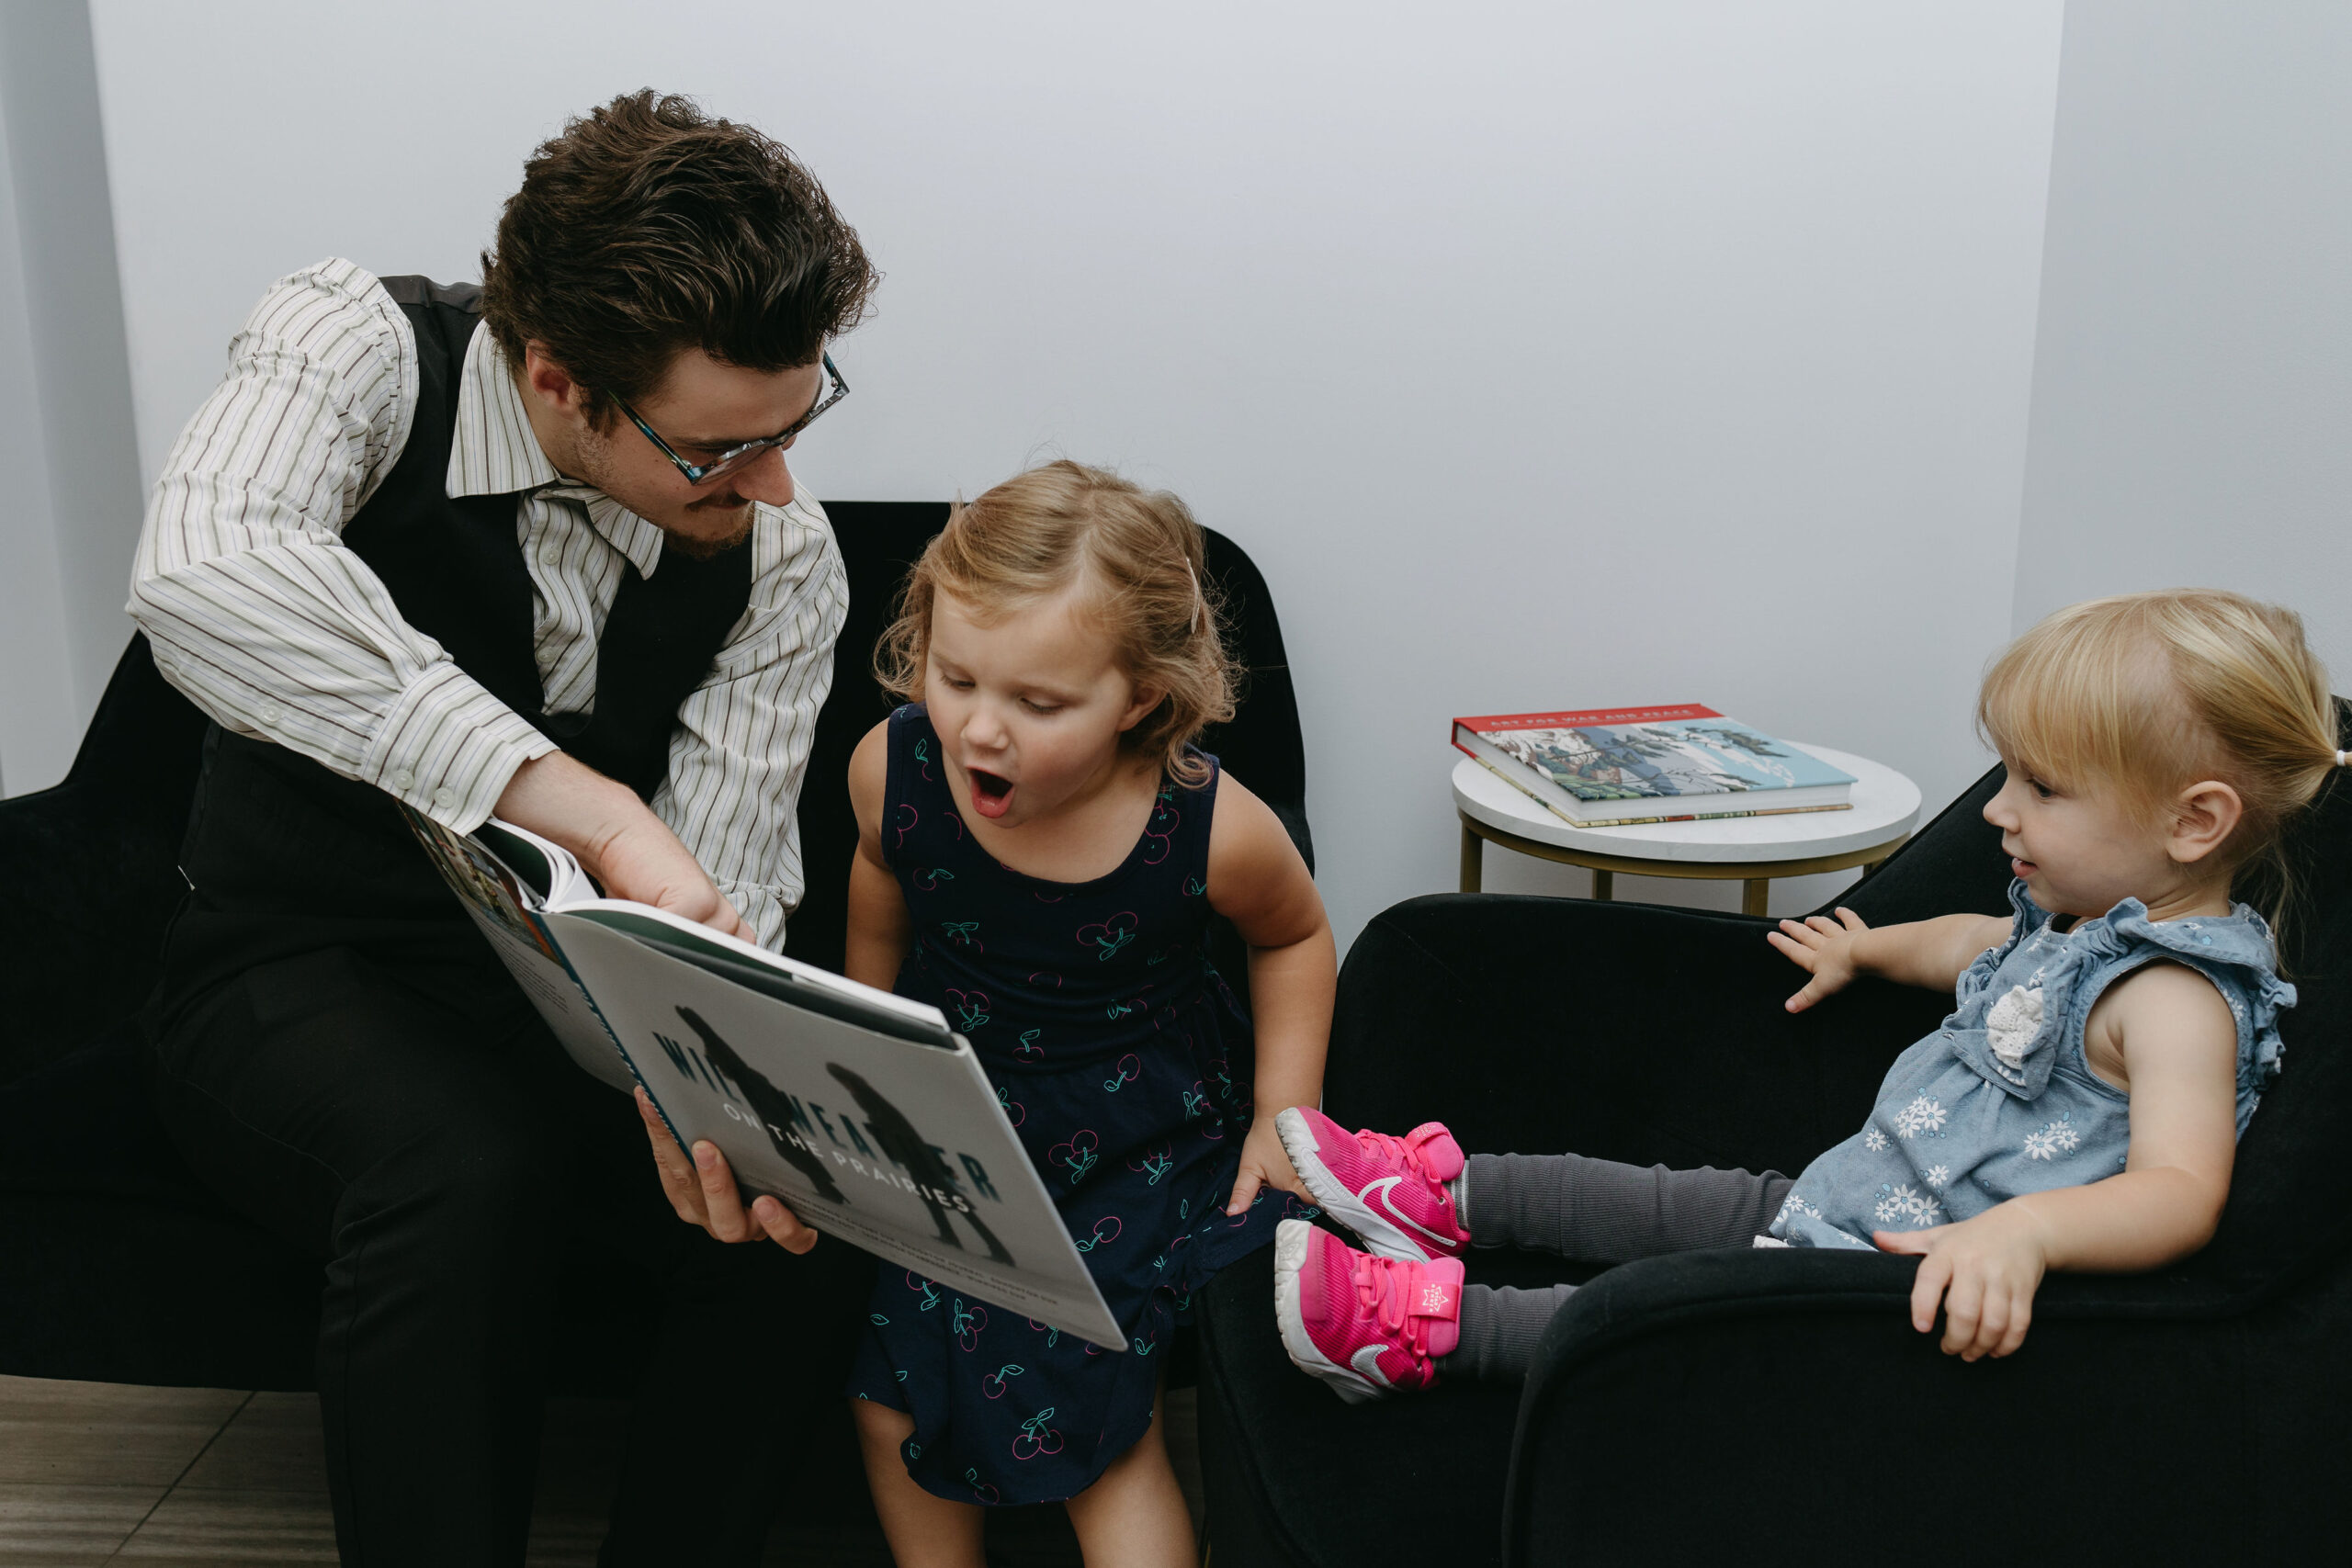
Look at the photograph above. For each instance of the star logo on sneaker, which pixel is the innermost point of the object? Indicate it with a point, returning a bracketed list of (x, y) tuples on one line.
[(1380, 1198), (1433, 1298)]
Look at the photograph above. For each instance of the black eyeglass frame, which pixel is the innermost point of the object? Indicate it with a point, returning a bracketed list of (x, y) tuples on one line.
[(735, 458)]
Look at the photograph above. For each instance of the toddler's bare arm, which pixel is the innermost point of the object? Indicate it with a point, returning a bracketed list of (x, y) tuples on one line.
[(1929, 953)]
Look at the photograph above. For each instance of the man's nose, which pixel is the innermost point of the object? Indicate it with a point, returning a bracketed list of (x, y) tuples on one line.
[(766, 478)]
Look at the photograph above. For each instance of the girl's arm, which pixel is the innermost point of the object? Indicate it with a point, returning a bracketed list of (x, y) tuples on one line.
[(2179, 1047), (879, 930), (1258, 882), (1930, 954)]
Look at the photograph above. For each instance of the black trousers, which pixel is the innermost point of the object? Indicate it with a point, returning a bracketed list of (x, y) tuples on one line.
[(441, 1161)]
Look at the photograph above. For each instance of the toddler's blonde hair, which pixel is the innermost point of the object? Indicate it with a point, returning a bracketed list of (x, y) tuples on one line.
[(1140, 560), (2146, 694)]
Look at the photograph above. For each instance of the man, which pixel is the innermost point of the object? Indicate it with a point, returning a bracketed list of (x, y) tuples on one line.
[(533, 550)]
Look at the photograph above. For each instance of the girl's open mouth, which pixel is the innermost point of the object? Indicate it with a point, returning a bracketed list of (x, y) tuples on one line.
[(991, 794), (2021, 868)]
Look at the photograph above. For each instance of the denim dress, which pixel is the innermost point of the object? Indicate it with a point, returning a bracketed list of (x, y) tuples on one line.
[(2000, 1101)]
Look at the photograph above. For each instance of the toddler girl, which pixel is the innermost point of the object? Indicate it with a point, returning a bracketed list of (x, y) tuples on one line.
[(2079, 1109), (1040, 852)]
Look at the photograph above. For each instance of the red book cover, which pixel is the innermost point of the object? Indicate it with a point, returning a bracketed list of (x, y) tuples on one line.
[(1488, 723)]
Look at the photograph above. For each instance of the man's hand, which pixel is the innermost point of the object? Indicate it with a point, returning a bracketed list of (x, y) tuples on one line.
[(1823, 947), (618, 840), (703, 1192), (1984, 1270), (1263, 1164)]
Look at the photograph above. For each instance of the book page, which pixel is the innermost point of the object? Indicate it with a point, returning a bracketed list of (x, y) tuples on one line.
[(502, 906), (896, 1146)]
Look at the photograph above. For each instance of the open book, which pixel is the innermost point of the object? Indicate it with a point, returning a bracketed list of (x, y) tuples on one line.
[(862, 1111)]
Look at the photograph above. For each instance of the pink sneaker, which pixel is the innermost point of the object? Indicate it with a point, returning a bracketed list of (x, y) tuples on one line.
[(1366, 1325), (1390, 1191)]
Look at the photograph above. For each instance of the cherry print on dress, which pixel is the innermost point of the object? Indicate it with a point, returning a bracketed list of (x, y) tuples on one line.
[(1077, 1155), (1109, 934), (971, 1008)]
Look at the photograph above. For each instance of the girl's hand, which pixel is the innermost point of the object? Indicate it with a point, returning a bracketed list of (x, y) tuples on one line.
[(1823, 946), (1263, 1164), (1984, 1270)]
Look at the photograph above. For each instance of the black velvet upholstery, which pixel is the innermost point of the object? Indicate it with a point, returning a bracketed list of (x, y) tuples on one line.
[(118, 1266), (1767, 1406)]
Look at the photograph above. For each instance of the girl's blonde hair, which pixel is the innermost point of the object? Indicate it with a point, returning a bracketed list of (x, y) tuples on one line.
[(2145, 693), (1140, 556)]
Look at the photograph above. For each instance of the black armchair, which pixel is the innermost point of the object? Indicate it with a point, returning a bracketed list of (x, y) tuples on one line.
[(1763, 1407), (118, 1266)]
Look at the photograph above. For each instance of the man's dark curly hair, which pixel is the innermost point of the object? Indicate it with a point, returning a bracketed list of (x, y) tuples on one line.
[(648, 228)]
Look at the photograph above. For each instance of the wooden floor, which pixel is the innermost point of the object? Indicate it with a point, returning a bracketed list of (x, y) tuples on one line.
[(100, 1473)]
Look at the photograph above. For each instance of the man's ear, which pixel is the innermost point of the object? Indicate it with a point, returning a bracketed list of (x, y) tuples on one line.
[(1146, 699), (2204, 816), (552, 385)]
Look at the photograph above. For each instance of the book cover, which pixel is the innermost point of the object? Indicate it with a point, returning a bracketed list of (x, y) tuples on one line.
[(1654, 753)]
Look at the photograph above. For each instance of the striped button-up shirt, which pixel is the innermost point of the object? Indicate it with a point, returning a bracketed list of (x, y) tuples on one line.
[(275, 630)]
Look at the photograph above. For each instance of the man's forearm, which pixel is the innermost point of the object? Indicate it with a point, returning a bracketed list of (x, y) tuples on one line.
[(569, 803)]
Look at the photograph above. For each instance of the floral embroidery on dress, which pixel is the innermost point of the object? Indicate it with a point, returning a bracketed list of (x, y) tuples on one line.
[(1935, 1176), (1873, 1140), (1902, 1206), (1792, 1206), (1922, 1116), (2054, 1138)]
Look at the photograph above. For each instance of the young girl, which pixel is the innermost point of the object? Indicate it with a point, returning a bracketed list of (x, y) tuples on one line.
[(1040, 850), (2080, 1108)]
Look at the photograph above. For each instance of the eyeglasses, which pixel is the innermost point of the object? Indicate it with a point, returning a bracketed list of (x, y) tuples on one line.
[(736, 458)]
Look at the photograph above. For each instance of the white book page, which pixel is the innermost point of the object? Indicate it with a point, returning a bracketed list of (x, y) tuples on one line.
[(897, 1147), (503, 907)]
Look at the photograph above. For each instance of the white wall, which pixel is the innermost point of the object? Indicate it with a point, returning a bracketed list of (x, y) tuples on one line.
[(71, 513), (2192, 404), (1547, 354)]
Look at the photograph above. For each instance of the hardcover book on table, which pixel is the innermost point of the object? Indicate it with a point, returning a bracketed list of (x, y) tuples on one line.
[(1616, 767)]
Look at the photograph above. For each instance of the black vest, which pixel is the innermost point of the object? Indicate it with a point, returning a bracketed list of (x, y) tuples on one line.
[(285, 856)]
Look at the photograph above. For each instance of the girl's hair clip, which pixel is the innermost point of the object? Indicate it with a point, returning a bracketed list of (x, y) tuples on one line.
[(2344, 759)]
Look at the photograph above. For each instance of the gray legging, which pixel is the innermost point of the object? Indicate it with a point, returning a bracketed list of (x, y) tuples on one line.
[(1590, 1209)]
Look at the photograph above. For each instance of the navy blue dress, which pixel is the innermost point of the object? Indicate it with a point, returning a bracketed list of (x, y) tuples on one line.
[(1109, 1037)]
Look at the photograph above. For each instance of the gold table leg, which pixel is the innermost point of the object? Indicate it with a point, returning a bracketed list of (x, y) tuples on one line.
[(1752, 895), (1604, 885), (1473, 860)]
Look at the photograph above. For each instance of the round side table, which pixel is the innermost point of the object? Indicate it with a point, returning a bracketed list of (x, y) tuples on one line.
[(1752, 849)]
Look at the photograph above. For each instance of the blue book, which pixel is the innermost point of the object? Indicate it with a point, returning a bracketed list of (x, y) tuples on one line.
[(1608, 767)]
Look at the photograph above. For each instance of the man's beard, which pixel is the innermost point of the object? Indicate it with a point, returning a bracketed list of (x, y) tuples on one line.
[(702, 548), (593, 456)]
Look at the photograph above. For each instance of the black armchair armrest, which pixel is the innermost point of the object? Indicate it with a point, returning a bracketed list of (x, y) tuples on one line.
[(1621, 1030), (1777, 1405), (90, 870)]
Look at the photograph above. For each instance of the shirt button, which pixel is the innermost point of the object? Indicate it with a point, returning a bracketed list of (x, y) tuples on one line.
[(402, 779), (271, 713), (445, 797)]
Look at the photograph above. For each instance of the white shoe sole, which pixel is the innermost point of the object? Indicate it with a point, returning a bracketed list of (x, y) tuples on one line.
[(1292, 1238), (1378, 1232)]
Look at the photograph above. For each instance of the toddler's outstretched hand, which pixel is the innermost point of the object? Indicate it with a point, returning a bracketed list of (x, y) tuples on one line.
[(1984, 1270), (1822, 947), (1263, 1164)]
